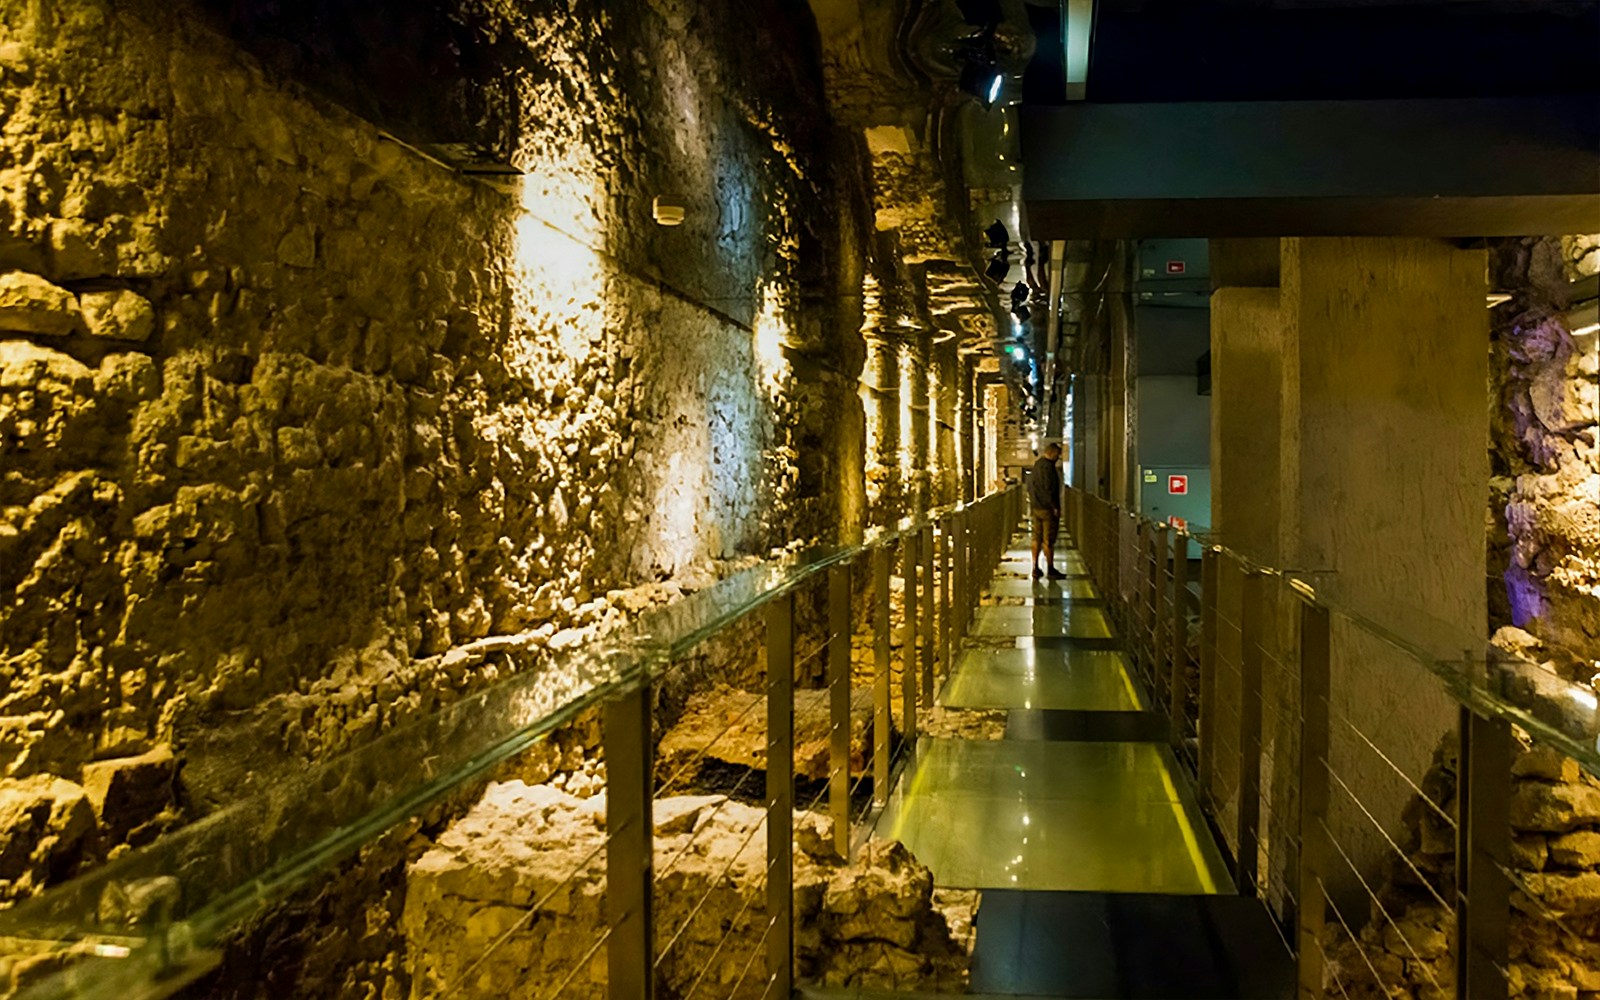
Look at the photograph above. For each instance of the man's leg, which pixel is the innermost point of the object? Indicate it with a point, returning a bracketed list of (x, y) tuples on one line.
[(1052, 528), (1038, 539)]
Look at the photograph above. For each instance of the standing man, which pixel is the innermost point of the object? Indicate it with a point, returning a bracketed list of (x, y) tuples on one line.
[(1044, 490)]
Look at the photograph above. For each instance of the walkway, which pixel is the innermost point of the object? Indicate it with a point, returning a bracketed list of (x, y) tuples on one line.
[(1100, 874)]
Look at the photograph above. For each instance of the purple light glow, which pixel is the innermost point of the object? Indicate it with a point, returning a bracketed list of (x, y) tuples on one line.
[(1526, 595)]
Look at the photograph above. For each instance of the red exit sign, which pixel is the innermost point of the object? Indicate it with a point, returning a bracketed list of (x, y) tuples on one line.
[(1176, 267), (1178, 485)]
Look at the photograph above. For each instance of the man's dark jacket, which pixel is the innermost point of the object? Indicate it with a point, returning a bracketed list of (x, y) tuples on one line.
[(1044, 486)]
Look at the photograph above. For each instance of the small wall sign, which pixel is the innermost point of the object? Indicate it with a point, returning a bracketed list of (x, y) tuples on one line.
[(1178, 485), (1176, 267)]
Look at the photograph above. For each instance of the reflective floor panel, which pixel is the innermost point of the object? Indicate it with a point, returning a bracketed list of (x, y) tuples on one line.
[(1105, 817), (1050, 621), (1086, 680), (1016, 586), (1018, 561)]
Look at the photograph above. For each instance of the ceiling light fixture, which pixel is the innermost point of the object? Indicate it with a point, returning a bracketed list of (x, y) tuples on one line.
[(980, 69)]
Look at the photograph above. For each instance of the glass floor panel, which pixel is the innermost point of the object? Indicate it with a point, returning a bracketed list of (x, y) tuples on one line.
[(1104, 817), (1056, 621), (1079, 588), (1017, 561), (1070, 679)]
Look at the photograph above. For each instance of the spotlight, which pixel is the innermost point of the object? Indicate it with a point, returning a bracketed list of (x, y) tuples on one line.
[(999, 267), (665, 212), (1018, 352), (981, 76), (997, 234)]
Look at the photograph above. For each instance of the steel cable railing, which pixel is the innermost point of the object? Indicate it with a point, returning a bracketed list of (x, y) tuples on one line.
[(1361, 782)]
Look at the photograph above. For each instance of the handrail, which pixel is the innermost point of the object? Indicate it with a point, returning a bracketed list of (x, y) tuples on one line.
[(210, 877), (1279, 697), (1470, 678)]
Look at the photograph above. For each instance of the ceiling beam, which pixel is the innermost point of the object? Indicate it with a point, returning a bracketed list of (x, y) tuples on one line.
[(1472, 167)]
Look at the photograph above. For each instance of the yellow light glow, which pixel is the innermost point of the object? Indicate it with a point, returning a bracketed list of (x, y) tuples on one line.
[(907, 363), (558, 279), (767, 333)]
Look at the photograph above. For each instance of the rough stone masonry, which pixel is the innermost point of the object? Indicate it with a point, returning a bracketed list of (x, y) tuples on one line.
[(291, 413)]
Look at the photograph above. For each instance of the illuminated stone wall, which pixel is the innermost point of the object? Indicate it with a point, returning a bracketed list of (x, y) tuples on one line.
[(289, 411), (1544, 550)]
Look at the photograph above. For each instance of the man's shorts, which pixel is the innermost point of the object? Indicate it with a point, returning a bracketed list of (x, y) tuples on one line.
[(1046, 523)]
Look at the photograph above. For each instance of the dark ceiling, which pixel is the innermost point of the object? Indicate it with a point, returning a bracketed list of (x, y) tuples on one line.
[(1245, 50)]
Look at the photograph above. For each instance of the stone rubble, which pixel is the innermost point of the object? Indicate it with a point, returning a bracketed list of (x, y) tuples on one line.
[(49, 829), (1555, 919), (514, 893), (723, 725)]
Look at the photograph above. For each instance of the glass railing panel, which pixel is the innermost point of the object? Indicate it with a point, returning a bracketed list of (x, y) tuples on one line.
[(1553, 710), (163, 907)]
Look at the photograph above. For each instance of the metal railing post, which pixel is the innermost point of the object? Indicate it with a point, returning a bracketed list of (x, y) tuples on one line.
[(1155, 545), (630, 851), (908, 640), (780, 795), (1206, 724), (946, 630), (958, 544), (1315, 789), (930, 604), (1483, 855), (1178, 633), (839, 642), (1113, 583), (1251, 616), (882, 710)]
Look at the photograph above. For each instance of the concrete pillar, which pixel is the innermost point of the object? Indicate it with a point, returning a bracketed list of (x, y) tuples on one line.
[(1350, 437), (1248, 460), (1388, 394), (1389, 399), (1086, 431), (1123, 406)]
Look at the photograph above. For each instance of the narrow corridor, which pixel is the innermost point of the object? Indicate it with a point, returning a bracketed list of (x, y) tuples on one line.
[(1100, 876)]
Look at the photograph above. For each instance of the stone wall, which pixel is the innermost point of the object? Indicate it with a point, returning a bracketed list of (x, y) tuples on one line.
[(289, 411), (1544, 549), (515, 894), (1407, 947)]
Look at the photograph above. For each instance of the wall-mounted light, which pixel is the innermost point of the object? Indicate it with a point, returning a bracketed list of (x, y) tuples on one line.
[(980, 70), (666, 213)]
